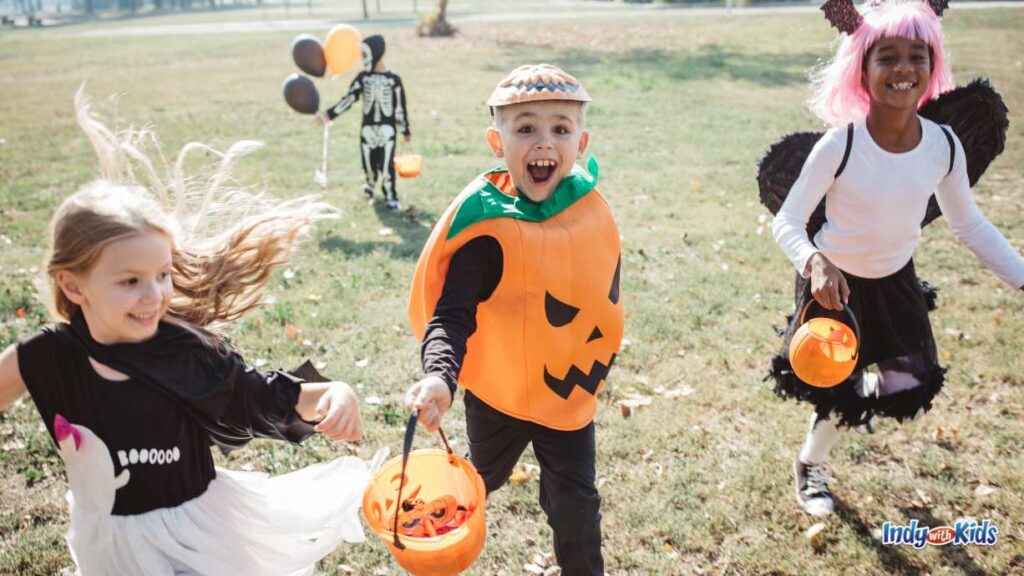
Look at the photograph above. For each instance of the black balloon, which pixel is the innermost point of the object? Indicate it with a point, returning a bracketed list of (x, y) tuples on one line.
[(301, 94), (308, 54)]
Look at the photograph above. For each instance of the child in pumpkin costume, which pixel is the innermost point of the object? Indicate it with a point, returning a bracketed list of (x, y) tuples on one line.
[(516, 299)]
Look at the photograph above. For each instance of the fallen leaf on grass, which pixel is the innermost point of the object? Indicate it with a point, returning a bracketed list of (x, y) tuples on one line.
[(12, 445), (678, 392), (21, 313), (984, 490), (815, 532), (518, 477), (670, 551), (636, 400), (291, 331)]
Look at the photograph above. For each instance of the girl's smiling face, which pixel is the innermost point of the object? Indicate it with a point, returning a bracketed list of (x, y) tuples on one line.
[(128, 289), (897, 72)]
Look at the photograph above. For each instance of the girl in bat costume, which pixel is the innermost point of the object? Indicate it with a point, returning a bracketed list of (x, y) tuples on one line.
[(875, 172), (134, 389)]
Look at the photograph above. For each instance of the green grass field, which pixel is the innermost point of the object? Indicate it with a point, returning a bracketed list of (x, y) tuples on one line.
[(697, 483)]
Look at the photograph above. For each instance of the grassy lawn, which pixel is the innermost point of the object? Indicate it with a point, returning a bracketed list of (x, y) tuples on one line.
[(696, 483)]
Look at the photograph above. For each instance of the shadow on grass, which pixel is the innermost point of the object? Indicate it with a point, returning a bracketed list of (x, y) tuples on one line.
[(406, 223), (892, 558), (957, 555), (706, 62)]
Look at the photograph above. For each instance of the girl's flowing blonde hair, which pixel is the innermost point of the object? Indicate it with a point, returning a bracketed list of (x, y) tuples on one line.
[(225, 241)]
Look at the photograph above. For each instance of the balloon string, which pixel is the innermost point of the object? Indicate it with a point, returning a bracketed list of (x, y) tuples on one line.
[(323, 160)]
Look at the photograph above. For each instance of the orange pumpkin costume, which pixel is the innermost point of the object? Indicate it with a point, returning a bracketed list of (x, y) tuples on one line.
[(548, 334)]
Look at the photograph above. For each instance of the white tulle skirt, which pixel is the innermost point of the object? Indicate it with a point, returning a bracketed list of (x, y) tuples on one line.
[(246, 523)]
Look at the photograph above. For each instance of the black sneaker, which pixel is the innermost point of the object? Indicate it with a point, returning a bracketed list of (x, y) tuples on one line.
[(812, 488), (368, 190)]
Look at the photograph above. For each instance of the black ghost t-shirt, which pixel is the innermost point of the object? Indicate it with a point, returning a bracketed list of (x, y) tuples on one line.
[(146, 432)]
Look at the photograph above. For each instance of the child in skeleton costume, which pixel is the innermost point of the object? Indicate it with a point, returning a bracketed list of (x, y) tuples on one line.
[(384, 114), (852, 219), (516, 299), (134, 390)]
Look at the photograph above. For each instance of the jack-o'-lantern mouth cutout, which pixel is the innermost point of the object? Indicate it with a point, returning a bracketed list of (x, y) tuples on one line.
[(560, 314)]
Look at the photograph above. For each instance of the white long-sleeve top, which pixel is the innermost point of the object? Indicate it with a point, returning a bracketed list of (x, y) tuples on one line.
[(874, 209)]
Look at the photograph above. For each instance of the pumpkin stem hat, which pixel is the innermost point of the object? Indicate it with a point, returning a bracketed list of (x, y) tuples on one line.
[(537, 82)]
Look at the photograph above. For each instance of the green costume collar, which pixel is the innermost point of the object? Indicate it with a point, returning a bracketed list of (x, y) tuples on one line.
[(488, 202)]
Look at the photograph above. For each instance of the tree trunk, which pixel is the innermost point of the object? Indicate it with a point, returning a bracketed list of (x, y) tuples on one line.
[(436, 22)]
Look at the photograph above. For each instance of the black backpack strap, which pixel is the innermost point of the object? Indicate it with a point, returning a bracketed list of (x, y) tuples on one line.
[(846, 153), (952, 148)]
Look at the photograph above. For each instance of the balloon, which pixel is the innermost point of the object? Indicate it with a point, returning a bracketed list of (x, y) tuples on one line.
[(342, 48), (301, 95), (309, 55)]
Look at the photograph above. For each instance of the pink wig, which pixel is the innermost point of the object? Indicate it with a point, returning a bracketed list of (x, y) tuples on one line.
[(839, 96)]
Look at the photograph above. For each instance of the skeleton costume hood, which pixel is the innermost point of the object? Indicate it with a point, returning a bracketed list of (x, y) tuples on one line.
[(373, 51)]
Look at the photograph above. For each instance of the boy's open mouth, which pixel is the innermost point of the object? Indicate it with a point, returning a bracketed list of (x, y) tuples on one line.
[(541, 170)]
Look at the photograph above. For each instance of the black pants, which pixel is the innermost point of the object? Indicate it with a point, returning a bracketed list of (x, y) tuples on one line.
[(567, 491)]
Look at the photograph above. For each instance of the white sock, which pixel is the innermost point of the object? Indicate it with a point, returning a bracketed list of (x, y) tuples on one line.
[(821, 436), (869, 385)]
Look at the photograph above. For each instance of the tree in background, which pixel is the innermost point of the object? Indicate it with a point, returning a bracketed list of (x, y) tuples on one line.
[(436, 23)]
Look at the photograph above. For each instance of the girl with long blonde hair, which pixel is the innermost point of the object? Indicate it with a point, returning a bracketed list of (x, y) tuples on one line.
[(134, 383)]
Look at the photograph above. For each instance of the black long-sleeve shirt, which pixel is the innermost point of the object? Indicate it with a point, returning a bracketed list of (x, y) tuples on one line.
[(473, 273), (147, 431)]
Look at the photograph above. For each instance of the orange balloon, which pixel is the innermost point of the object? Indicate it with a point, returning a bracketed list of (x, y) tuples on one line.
[(823, 351), (342, 48)]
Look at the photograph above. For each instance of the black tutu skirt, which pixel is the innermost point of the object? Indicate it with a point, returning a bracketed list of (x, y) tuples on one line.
[(895, 332)]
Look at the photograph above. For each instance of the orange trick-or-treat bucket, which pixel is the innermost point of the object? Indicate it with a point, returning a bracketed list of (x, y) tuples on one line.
[(408, 165), (823, 351), (433, 521)]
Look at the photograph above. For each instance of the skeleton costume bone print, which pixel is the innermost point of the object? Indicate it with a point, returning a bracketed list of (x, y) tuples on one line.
[(384, 114)]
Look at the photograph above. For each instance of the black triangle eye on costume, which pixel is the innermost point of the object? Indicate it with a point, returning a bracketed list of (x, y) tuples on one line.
[(559, 313), (613, 294)]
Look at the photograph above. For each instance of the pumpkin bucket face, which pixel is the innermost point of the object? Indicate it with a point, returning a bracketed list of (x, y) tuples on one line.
[(408, 165), (441, 523), (823, 351)]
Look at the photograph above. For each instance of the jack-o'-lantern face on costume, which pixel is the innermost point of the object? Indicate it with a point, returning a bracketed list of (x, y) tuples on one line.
[(577, 329)]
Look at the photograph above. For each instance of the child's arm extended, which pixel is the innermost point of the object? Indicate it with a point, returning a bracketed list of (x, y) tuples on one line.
[(473, 274), (972, 228), (335, 406), (281, 406), (11, 384), (353, 94)]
